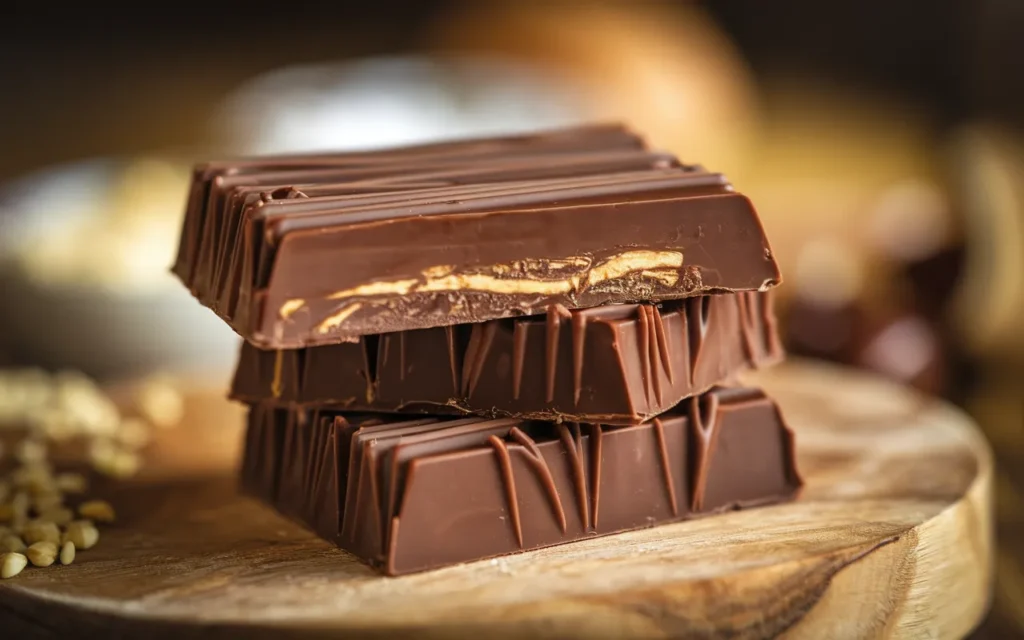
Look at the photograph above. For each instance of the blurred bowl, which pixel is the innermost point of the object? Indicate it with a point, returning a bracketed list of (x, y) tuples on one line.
[(85, 251), (390, 101)]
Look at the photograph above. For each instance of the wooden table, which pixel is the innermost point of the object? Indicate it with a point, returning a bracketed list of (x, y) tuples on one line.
[(892, 538)]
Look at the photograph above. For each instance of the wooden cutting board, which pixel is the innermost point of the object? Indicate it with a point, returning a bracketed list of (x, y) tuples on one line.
[(891, 538)]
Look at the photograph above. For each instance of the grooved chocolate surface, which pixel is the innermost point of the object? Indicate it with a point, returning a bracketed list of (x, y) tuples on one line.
[(617, 364), (411, 495), (300, 251)]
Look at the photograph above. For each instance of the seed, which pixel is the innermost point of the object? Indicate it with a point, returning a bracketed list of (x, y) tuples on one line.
[(41, 531), (60, 516), (101, 451), (67, 553), (97, 510), (125, 464), (160, 403), (11, 543), (29, 451), (82, 533), (34, 477), (55, 423), (85, 402), (42, 554), (109, 459), (71, 482), (12, 564), (48, 501), (133, 433), (19, 505)]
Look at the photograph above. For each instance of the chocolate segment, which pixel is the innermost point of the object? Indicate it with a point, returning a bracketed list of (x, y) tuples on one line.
[(411, 495), (296, 252), (211, 181), (616, 364)]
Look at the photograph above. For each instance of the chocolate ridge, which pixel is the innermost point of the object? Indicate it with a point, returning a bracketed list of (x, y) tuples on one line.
[(640, 360), (424, 524)]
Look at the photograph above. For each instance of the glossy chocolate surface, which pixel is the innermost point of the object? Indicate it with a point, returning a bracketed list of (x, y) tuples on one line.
[(296, 252), (617, 364), (411, 495)]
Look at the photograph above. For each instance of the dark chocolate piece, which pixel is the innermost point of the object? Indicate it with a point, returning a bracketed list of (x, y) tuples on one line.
[(616, 364), (414, 239), (208, 179), (210, 254), (898, 344), (411, 495)]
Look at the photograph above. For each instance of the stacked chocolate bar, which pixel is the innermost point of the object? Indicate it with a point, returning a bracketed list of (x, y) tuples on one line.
[(463, 350)]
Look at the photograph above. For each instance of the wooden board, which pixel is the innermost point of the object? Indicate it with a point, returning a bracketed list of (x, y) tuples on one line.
[(892, 538)]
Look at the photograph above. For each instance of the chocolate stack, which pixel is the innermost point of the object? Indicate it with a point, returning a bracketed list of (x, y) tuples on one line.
[(462, 350)]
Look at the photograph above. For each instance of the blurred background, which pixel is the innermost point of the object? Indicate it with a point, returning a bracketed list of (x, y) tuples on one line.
[(882, 140)]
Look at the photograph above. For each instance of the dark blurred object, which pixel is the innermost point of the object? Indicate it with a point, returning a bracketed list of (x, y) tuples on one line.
[(905, 338), (933, 279), (962, 57), (994, 72), (901, 346), (998, 406), (883, 305), (94, 82)]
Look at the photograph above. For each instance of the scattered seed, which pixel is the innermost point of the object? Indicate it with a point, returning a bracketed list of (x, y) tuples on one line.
[(71, 482), (34, 478), (97, 510), (30, 450), (42, 554), (86, 403), (47, 501), (12, 564), (55, 423), (82, 533), (60, 516), (11, 543), (41, 531), (55, 408), (111, 460), (19, 506), (133, 433), (160, 403), (67, 552)]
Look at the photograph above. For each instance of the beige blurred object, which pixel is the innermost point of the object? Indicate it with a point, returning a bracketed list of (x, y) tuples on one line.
[(847, 168), (988, 167), (667, 70), (85, 254), (122, 240)]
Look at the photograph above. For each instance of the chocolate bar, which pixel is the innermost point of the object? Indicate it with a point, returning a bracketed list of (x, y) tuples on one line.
[(616, 364), (217, 260), (413, 241), (209, 258), (213, 182), (410, 495)]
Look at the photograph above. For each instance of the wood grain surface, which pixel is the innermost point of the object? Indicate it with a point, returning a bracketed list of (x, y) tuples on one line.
[(892, 538)]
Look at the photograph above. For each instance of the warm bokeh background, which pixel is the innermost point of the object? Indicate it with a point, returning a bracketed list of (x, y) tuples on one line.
[(883, 142)]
